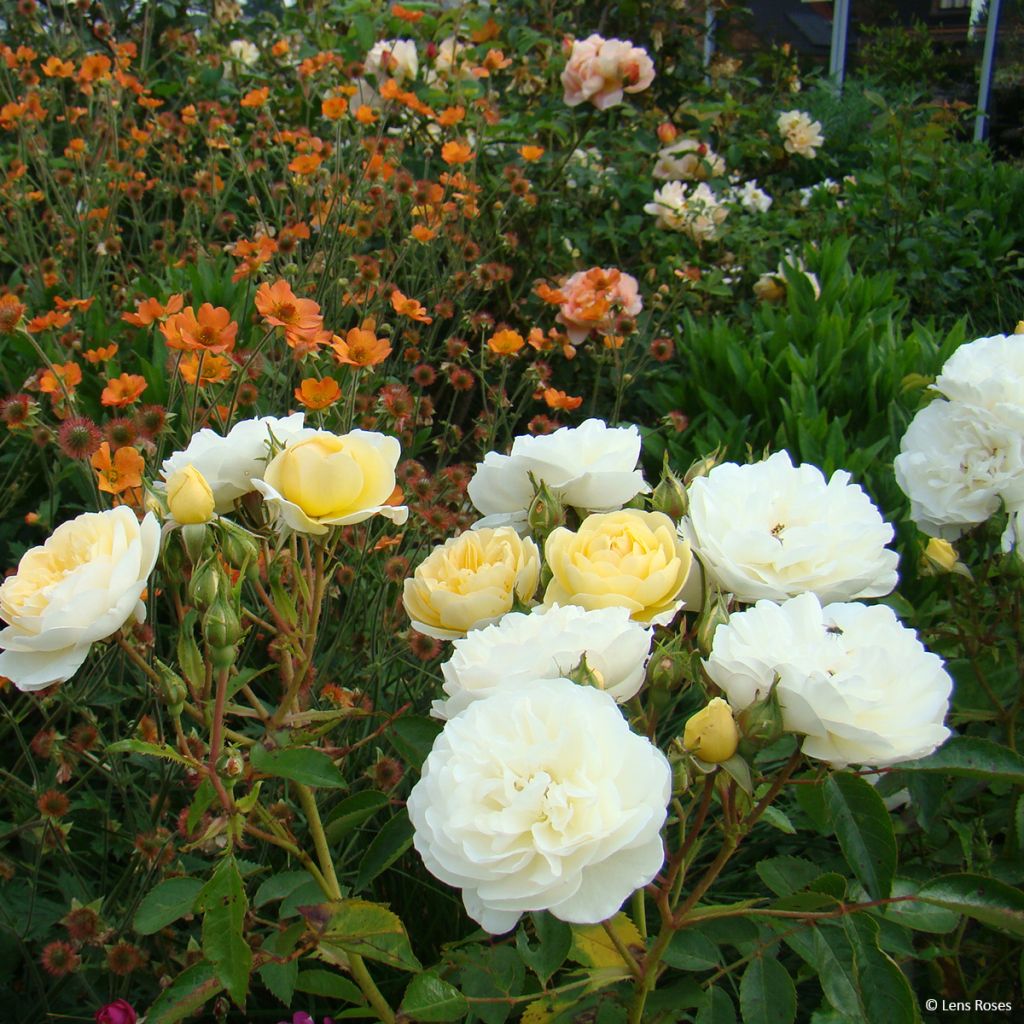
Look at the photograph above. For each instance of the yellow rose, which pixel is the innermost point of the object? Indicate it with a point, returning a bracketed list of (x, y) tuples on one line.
[(471, 581), (630, 558), (938, 557), (189, 497), (81, 586), (323, 479), (711, 734)]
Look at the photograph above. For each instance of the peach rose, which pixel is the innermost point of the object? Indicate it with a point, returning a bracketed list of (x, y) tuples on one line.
[(601, 70)]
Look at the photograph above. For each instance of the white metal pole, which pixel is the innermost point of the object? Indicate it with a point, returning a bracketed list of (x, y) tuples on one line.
[(710, 23), (987, 68), (837, 54)]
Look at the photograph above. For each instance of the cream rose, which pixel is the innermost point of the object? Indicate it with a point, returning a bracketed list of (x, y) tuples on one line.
[(323, 479), (546, 644), (541, 799), (470, 581), (189, 497), (80, 586), (856, 683), (630, 558)]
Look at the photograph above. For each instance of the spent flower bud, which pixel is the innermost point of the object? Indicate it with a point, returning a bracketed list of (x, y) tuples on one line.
[(546, 513), (670, 495)]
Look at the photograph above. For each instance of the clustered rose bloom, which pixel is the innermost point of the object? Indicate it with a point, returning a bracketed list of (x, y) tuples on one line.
[(696, 212), (546, 644), (83, 584), (962, 457), (630, 559), (855, 682), (229, 463), (470, 581), (774, 530), (600, 70), (801, 135), (688, 160), (594, 299), (541, 799), (591, 467), (751, 197), (392, 58), (322, 479)]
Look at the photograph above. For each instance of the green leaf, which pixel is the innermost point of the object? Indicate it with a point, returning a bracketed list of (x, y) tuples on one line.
[(717, 1008), (299, 764), (369, 929), (224, 904), (771, 815), (994, 903), (413, 736), (387, 846), (767, 993), (187, 993), (352, 812), (329, 984), (864, 831), (884, 989), (203, 798), (554, 939), (151, 749), (278, 886), (430, 998), (921, 917), (971, 757), (494, 973), (692, 951), (309, 892), (170, 900), (786, 875), (832, 958), (280, 978)]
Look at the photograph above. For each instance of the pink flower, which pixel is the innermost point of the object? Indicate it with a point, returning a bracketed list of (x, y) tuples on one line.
[(595, 299), (600, 70), (117, 1012)]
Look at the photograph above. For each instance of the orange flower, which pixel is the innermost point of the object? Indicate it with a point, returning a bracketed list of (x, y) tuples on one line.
[(422, 233), (210, 329), (123, 390), (252, 254), (334, 107), (361, 346), (505, 343), (365, 114), (305, 164), (148, 311), (560, 400), (255, 98), (398, 11), (280, 307), (72, 304), (457, 152), (531, 153), (100, 355), (549, 294), (57, 68), (318, 394), (120, 472), (451, 116), (204, 368), (409, 307), (48, 320), (60, 378), (11, 312)]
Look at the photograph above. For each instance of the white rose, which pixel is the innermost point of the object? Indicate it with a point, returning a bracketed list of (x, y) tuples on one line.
[(697, 212), (802, 135), (988, 373), (546, 644), (83, 584), (229, 463), (859, 685), (541, 799), (244, 52), (751, 197), (957, 462), (591, 467), (392, 58), (773, 530)]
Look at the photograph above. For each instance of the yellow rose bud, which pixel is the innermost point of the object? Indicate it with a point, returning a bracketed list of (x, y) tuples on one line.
[(630, 558), (1019, 329), (940, 557), (711, 734), (471, 581), (189, 497)]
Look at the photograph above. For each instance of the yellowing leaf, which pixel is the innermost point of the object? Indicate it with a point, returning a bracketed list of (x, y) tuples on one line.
[(592, 946)]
